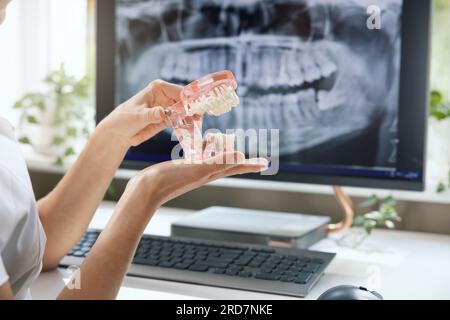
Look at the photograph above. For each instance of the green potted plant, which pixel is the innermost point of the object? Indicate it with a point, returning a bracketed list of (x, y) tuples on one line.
[(438, 145), (53, 122), (378, 213)]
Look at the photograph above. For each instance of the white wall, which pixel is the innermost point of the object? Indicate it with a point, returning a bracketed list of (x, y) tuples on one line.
[(36, 37), (9, 61)]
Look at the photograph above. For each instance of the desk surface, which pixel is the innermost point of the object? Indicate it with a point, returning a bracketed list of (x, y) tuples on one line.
[(400, 265)]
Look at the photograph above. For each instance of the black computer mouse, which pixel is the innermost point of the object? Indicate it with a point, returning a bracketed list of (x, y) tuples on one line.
[(350, 293)]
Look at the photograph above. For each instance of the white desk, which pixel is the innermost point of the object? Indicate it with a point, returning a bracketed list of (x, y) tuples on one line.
[(400, 265)]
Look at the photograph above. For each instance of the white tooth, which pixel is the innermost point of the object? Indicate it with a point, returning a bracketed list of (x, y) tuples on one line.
[(269, 68), (307, 104), (247, 73), (256, 67), (283, 76), (254, 113), (181, 64), (232, 62), (168, 66), (222, 59), (327, 67), (191, 69), (207, 56), (276, 108), (291, 111), (294, 68), (329, 100), (196, 65), (248, 107), (311, 71)]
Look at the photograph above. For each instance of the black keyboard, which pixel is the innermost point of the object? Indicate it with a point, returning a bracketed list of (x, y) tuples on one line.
[(222, 264)]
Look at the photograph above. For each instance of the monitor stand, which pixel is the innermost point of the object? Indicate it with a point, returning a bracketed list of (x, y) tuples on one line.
[(348, 211)]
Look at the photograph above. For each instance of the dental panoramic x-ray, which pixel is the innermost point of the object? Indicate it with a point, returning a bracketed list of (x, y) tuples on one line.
[(313, 69)]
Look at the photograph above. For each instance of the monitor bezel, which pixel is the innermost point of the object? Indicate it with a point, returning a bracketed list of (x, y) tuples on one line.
[(414, 91)]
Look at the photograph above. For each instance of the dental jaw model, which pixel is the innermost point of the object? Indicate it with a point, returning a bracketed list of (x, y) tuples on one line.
[(214, 94)]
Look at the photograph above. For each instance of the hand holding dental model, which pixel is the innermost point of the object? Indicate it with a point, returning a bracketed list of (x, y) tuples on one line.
[(214, 94)]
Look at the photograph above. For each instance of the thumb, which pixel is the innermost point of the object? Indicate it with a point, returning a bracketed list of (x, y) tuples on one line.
[(153, 115)]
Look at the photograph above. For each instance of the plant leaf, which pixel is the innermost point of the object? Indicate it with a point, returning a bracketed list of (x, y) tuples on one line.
[(69, 152), (24, 140), (59, 162), (369, 225), (390, 200), (57, 141), (86, 132), (393, 215), (369, 202), (359, 221), (72, 132), (440, 188), (18, 105), (32, 120), (436, 98), (374, 215), (389, 224), (438, 114)]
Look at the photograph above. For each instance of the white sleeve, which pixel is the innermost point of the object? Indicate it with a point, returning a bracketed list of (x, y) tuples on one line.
[(8, 217), (3, 275)]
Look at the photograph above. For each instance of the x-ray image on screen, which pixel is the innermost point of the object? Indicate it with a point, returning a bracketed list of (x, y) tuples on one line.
[(313, 69)]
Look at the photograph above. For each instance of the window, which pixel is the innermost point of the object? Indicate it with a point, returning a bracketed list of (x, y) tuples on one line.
[(440, 66), (37, 37)]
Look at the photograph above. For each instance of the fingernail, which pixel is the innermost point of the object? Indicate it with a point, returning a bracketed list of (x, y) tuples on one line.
[(158, 114)]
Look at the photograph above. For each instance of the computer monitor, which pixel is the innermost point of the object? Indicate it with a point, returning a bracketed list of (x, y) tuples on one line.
[(345, 81)]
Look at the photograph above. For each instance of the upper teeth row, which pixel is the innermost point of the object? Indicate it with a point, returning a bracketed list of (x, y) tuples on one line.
[(282, 66), (221, 100)]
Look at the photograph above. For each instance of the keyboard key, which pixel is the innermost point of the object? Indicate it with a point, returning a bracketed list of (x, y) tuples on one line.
[(214, 254), (242, 262), (287, 279), (231, 272), (190, 261), (144, 261), (282, 267), (265, 250), (311, 267), (199, 268), (304, 259), (216, 263), (255, 264), (317, 261), (267, 270), (78, 253), (267, 276), (303, 278), (219, 270), (290, 274), (269, 265), (166, 264), (182, 266), (245, 274)]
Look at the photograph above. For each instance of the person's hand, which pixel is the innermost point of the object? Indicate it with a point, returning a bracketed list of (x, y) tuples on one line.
[(166, 181), (142, 117)]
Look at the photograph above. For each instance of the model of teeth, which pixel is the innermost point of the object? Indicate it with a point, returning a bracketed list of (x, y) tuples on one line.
[(219, 142), (218, 102)]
